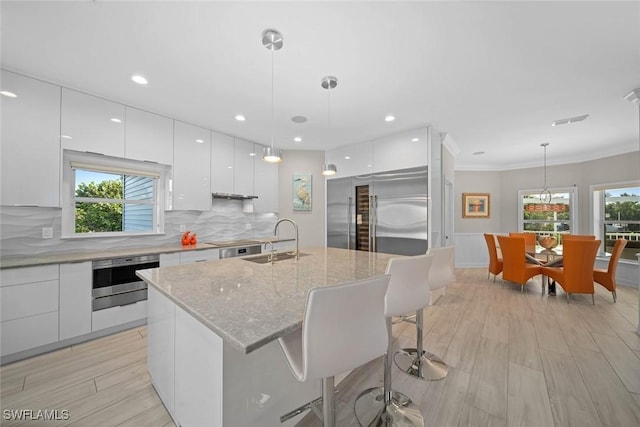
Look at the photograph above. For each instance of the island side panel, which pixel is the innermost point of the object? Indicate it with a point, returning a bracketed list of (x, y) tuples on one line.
[(161, 346), (198, 375)]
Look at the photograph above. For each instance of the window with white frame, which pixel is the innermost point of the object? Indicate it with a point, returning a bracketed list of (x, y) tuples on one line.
[(547, 218), (106, 196), (616, 214)]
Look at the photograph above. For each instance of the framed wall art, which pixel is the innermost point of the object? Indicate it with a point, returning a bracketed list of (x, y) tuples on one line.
[(475, 205), (302, 190)]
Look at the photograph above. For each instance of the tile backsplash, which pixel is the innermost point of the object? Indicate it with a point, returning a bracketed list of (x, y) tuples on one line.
[(21, 229)]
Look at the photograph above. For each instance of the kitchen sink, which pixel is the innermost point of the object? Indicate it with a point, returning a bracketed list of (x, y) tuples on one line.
[(277, 256)]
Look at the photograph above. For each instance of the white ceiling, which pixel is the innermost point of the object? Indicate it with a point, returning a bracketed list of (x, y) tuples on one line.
[(493, 75)]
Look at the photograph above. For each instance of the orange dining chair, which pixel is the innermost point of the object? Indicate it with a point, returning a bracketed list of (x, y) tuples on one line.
[(515, 268), (576, 274), (495, 262), (607, 278), (529, 241)]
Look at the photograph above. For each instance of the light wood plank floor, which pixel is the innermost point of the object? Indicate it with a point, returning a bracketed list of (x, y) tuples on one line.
[(516, 359)]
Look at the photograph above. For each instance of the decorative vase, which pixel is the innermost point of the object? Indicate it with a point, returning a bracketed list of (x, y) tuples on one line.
[(548, 242)]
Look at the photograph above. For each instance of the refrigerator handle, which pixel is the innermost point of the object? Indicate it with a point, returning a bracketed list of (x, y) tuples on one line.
[(349, 223)]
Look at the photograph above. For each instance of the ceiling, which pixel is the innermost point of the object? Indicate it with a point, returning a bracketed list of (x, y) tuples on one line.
[(493, 75)]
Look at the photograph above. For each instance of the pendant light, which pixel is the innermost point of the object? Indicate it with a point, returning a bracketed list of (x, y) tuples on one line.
[(328, 83), (272, 40), (545, 194)]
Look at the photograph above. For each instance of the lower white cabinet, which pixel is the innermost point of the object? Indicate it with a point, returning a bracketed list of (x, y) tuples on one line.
[(115, 316), (167, 260), (187, 257), (75, 299), (28, 307), (161, 343)]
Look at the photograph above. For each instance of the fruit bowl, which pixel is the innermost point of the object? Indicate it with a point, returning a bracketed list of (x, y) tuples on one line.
[(548, 242)]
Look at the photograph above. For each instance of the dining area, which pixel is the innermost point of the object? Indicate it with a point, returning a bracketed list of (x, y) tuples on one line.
[(520, 257)]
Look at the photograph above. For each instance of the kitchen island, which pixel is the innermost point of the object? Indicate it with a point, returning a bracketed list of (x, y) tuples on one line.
[(213, 354)]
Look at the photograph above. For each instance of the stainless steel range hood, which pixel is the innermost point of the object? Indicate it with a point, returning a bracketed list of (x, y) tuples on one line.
[(230, 196)]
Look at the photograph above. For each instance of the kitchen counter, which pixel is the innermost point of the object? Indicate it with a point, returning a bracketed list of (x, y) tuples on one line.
[(212, 329), (249, 304), (62, 258)]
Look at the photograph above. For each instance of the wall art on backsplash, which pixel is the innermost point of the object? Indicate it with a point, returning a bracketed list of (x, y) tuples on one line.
[(302, 192), (475, 205)]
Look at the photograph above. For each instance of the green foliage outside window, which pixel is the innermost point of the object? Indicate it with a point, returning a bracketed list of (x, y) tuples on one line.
[(99, 216)]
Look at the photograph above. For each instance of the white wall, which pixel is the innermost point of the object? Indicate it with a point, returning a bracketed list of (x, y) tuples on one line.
[(311, 224)]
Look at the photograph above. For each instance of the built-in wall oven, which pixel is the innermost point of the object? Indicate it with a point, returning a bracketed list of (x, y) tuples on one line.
[(115, 282)]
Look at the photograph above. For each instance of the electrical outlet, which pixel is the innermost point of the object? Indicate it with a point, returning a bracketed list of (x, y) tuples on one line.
[(183, 228), (47, 233), (247, 227)]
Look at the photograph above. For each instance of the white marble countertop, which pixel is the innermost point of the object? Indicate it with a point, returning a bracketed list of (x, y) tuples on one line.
[(68, 257), (249, 304)]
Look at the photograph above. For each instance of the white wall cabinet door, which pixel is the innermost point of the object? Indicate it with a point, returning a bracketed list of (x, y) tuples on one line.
[(75, 299), (222, 150), (265, 184), (92, 124), (243, 167), (148, 137), (352, 160), (400, 151), (191, 168), (30, 142)]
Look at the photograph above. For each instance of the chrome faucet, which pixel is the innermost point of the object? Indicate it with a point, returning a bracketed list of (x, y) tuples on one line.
[(272, 253), (295, 226)]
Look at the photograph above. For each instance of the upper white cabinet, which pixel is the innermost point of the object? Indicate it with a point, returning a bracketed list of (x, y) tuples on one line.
[(355, 159), (30, 140), (92, 124), (265, 183), (148, 137), (400, 151), (222, 150), (243, 167), (191, 167)]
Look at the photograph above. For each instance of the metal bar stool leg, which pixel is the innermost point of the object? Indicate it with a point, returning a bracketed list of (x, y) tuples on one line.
[(381, 406), (417, 362)]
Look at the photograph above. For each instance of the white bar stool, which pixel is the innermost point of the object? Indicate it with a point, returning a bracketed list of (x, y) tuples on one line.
[(344, 327), (417, 362), (383, 406)]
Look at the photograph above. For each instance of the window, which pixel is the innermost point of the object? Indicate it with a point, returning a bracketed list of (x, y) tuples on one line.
[(548, 219), (105, 196), (616, 213)]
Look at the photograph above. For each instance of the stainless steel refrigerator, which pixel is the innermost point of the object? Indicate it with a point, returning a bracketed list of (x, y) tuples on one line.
[(382, 212)]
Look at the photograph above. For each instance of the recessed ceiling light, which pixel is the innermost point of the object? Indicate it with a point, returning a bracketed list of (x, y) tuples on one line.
[(199, 141), (298, 119), (65, 137), (347, 157), (252, 154), (389, 118), (141, 80), (415, 139), (8, 94), (229, 167), (477, 153), (116, 120), (369, 166), (569, 120), (240, 118), (297, 139)]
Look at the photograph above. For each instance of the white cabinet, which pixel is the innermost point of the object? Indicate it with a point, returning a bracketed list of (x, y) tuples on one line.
[(148, 137), (92, 124), (222, 150), (191, 168), (167, 260), (75, 299), (120, 315), (352, 160), (30, 151), (400, 151), (243, 167), (265, 184), (160, 346), (187, 257), (29, 307)]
